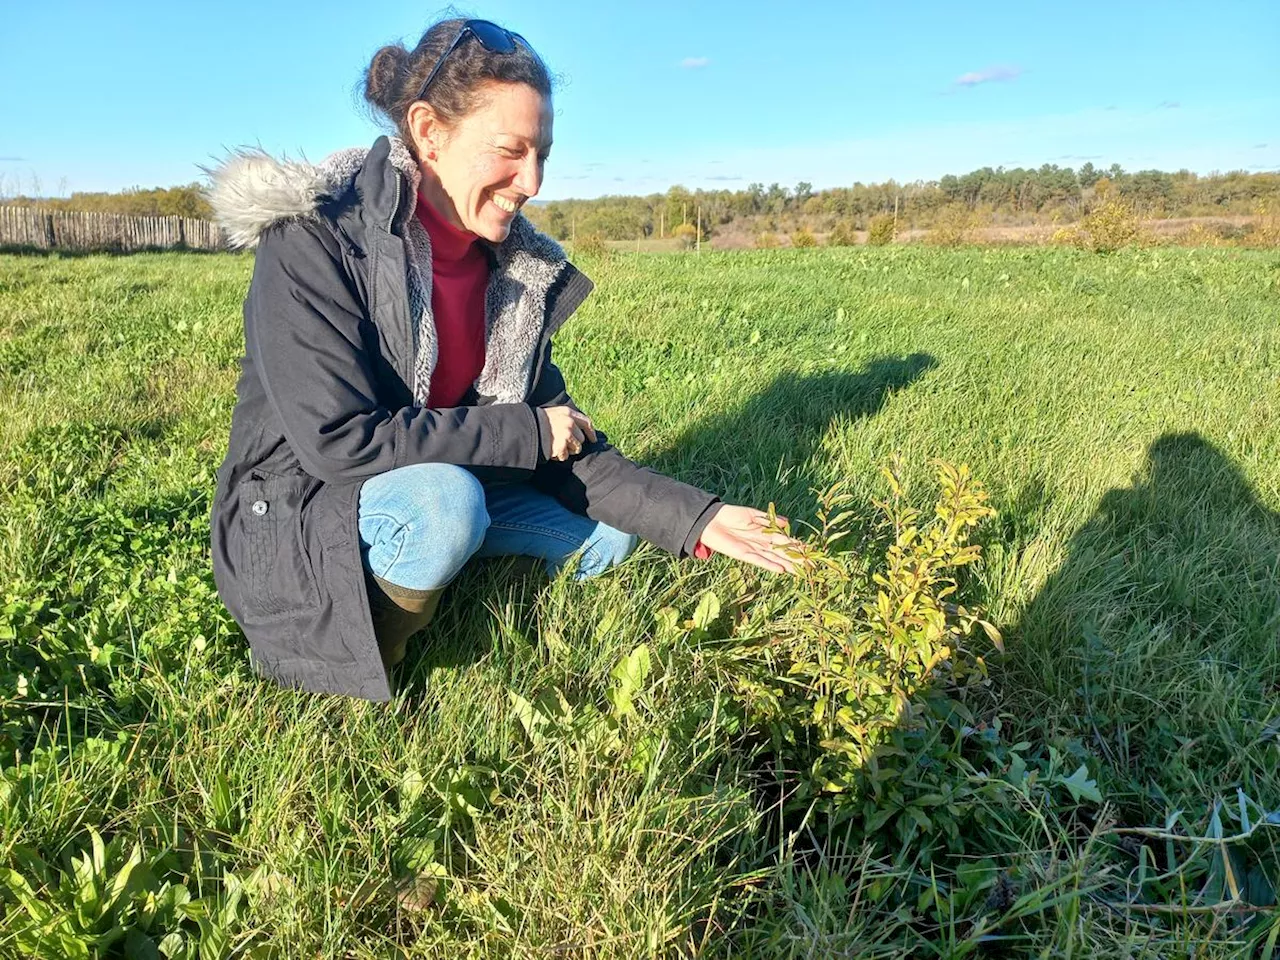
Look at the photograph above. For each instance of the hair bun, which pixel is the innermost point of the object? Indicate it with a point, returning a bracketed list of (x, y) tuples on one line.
[(381, 80)]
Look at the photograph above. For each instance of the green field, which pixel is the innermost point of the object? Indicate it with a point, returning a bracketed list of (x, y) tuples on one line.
[(1122, 411)]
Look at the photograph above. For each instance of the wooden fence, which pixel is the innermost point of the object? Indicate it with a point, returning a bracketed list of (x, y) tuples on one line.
[(75, 230)]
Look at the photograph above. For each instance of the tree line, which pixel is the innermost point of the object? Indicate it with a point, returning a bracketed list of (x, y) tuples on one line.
[(185, 201), (1004, 195)]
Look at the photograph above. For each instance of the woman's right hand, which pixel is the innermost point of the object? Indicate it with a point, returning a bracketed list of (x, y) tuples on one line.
[(569, 429)]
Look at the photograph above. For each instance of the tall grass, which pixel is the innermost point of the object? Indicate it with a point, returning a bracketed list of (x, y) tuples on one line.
[(1123, 411)]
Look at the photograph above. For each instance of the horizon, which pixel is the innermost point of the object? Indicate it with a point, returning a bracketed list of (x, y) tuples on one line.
[(1100, 167), (655, 97)]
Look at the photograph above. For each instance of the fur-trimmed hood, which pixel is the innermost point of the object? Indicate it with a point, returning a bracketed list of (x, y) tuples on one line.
[(251, 191)]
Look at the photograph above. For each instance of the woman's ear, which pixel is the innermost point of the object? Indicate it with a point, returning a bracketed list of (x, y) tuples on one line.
[(427, 131)]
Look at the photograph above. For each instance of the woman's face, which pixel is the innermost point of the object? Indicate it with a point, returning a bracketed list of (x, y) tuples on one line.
[(490, 163)]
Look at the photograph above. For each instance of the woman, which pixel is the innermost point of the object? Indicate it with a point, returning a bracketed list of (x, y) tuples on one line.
[(398, 411)]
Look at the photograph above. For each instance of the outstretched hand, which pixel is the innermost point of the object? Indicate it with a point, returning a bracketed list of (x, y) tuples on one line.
[(741, 533)]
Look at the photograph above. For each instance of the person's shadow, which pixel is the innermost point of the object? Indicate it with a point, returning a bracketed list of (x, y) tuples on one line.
[(760, 453), (764, 451), (1155, 643)]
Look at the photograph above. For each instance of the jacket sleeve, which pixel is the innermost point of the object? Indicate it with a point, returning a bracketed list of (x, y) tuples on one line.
[(605, 486), (303, 330)]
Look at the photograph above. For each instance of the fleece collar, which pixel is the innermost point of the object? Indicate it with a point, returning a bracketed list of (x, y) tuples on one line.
[(252, 190)]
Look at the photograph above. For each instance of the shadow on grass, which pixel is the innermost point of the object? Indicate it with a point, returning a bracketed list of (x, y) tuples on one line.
[(763, 451), (1155, 643)]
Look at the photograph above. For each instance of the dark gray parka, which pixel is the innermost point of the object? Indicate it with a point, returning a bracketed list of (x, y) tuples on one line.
[(339, 342)]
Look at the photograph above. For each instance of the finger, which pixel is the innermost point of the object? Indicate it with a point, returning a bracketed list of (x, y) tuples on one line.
[(785, 563), (759, 540), (765, 562), (576, 434), (585, 422)]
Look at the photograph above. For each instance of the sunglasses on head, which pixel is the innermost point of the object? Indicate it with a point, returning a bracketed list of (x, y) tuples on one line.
[(492, 37)]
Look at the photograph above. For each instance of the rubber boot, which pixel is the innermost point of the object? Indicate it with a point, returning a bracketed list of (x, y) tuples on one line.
[(398, 613)]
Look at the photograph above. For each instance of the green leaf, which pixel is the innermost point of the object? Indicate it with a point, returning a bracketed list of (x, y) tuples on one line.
[(629, 677), (707, 611), (994, 635), (530, 719), (21, 890), (1081, 786)]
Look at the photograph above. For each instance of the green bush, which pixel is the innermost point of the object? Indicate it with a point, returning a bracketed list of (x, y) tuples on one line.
[(687, 234), (881, 230), (767, 241), (1108, 227), (952, 226), (803, 238), (590, 245), (864, 678), (842, 235)]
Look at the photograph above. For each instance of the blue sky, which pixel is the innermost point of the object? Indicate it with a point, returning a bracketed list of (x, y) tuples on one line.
[(103, 96)]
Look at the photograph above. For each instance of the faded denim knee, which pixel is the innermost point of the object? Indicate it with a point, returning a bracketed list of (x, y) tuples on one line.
[(605, 548), (420, 524)]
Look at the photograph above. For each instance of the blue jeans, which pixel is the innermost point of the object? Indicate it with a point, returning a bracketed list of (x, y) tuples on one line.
[(420, 524)]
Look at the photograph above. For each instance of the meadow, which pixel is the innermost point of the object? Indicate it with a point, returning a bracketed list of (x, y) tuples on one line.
[(608, 769)]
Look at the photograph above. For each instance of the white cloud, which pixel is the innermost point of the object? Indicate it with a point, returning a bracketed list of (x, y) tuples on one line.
[(989, 75), (695, 63)]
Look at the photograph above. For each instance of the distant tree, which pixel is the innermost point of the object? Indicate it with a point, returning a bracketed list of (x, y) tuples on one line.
[(1148, 190)]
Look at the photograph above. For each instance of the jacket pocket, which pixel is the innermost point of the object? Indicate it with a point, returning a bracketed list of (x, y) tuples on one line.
[(280, 578)]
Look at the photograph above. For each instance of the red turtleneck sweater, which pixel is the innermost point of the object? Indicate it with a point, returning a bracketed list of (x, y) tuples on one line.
[(459, 277)]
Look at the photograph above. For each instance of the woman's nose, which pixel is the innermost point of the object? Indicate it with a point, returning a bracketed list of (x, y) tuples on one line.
[(529, 179)]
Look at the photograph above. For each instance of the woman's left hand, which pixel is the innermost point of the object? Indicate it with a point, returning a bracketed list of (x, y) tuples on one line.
[(740, 532)]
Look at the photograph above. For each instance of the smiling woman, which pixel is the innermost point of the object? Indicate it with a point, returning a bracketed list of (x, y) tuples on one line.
[(398, 411)]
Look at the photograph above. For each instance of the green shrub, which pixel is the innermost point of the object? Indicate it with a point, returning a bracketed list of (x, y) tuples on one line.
[(590, 245), (863, 680), (952, 226), (881, 230), (842, 235), (687, 234), (853, 655), (766, 241), (803, 238), (1108, 227)]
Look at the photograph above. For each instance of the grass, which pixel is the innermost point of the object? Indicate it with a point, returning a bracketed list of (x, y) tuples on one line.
[(1123, 411)]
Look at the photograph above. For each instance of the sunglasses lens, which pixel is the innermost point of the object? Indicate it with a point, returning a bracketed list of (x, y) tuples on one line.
[(493, 37)]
